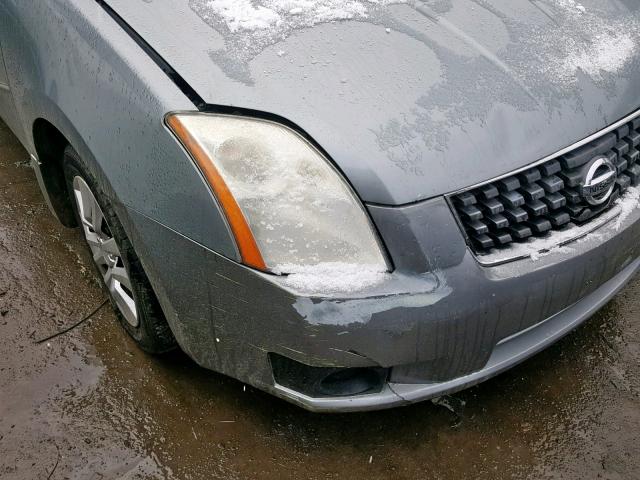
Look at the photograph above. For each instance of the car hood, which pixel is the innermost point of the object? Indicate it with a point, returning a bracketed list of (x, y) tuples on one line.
[(410, 99)]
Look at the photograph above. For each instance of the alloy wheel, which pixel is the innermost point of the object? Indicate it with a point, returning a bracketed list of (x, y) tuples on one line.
[(105, 251)]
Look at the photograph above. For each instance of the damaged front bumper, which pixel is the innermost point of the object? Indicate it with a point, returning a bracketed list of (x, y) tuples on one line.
[(506, 354), (440, 323)]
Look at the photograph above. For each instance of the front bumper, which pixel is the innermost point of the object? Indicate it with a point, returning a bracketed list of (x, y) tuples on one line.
[(442, 322), (507, 353)]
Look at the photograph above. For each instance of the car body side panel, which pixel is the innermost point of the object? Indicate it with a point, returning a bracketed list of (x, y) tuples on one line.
[(7, 108), (4, 81), (70, 63), (415, 99)]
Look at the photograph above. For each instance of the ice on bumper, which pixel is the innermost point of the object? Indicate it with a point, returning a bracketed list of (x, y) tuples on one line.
[(332, 278)]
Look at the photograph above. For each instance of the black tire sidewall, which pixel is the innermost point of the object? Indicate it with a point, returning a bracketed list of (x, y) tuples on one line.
[(152, 333)]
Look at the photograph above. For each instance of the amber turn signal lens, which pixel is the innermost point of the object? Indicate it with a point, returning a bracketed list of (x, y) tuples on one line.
[(245, 240)]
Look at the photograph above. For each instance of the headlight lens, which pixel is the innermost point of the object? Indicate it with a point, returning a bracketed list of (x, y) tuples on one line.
[(287, 206)]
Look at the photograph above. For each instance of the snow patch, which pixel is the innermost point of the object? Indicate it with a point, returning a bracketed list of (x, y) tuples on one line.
[(280, 14), (629, 202), (331, 277), (242, 14), (251, 26), (571, 5), (558, 241), (589, 42), (608, 53), (557, 249)]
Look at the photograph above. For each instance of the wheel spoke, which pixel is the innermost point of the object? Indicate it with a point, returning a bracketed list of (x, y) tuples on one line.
[(96, 217), (85, 202), (99, 258), (109, 246), (105, 251), (92, 240), (126, 305), (117, 274), (81, 205)]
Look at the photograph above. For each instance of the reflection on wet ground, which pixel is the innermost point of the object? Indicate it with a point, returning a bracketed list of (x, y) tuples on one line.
[(91, 405)]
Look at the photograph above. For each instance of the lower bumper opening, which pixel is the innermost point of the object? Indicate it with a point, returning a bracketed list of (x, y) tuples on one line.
[(326, 381)]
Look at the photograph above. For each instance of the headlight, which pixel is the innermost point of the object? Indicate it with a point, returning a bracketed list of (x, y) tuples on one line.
[(287, 207)]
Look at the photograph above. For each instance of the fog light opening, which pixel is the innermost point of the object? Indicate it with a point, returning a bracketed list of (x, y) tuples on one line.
[(326, 381), (350, 381)]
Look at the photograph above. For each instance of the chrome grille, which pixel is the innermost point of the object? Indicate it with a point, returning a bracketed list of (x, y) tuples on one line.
[(546, 198)]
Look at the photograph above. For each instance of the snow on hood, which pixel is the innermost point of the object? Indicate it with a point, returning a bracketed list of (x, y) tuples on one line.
[(254, 25), (411, 99), (275, 17), (587, 42), (595, 46)]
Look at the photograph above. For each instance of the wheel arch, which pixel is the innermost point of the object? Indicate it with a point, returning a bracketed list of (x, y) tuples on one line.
[(51, 132), (49, 143)]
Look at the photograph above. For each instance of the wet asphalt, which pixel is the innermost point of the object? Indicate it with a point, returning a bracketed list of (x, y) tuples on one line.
[(89, 404)]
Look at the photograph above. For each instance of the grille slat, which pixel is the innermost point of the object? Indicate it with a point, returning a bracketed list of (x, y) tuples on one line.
[(622, 165), (530, 176), (488, 192), (533, 192), (555, 201), (508, 184), (502, 238), (572, 196), (546, 198), (479, 227), (483, 241), (466, 199), (516, 215), (584, 154), (623, 182), (572, 178), (550, 168), (632, 156), (633, 139), (536, 208), (634, 174), (472, 213), (552, 184), (520, 231), (558, 219), (492, 206), (623, 131), (621, 148), (512, 199), (497, 222), (540, 225)]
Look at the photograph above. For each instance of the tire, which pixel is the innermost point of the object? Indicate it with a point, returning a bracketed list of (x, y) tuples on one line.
[(115, 260)]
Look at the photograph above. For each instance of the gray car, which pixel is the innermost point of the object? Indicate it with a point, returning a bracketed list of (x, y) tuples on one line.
[(350, 204)]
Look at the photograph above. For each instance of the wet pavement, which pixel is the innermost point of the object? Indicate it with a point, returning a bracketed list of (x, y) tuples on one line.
[(90, 404)]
